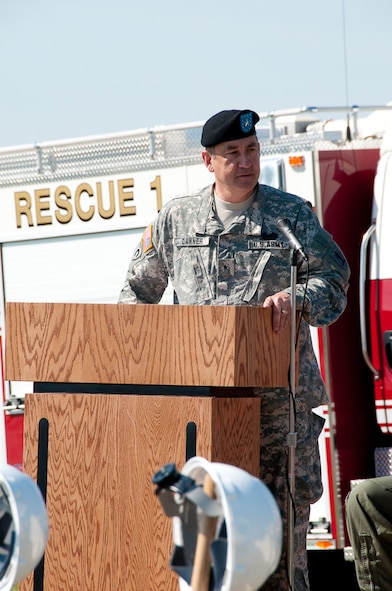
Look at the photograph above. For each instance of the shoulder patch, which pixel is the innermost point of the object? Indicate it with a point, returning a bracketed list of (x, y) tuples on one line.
[(147, 239)]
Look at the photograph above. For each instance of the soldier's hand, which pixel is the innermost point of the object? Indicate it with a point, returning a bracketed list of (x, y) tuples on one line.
[(281, 310)]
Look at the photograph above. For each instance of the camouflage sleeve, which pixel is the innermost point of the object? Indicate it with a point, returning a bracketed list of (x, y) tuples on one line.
[(323, 281), (146, 278)]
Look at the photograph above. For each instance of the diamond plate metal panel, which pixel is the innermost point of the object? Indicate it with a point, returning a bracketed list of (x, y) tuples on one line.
[(383, 461)]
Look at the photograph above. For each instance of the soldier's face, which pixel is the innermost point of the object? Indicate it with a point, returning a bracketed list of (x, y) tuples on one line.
[(236, 166)]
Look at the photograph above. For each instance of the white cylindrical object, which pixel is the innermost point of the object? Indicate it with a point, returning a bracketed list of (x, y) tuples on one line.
[(25, 541), (253, 523)]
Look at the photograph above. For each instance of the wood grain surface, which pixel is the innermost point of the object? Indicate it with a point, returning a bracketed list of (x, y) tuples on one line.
[(222, 346), (108, 531)]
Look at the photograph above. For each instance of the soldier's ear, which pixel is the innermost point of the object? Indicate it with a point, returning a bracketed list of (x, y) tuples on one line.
[(207, 159)]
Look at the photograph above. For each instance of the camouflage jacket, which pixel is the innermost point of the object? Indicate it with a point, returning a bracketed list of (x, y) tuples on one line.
[(243, 264)]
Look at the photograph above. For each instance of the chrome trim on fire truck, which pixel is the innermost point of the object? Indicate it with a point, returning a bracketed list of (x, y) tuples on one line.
[(362, 303)]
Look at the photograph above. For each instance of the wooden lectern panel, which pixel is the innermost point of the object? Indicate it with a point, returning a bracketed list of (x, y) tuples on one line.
[(108, 531), (216, 346)]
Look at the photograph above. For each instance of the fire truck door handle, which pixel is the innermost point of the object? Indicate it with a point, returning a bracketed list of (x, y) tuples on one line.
[(388, 346), (362, 299)]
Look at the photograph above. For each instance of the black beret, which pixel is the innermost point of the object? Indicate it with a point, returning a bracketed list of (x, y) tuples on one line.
[(228, 125)]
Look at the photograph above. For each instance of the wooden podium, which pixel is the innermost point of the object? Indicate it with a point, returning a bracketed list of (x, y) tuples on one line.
[(119, 391)]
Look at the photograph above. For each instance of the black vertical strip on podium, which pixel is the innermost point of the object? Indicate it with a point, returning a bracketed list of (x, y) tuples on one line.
[(42, 481), (190, 450)]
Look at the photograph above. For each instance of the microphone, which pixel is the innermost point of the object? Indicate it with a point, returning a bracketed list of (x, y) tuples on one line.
[(284, 226)]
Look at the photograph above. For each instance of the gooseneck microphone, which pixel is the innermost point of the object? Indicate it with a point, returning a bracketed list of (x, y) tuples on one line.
[(284, 226)]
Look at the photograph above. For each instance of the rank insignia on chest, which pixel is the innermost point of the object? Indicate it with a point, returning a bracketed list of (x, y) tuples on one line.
[(147, 239), (226, 268)]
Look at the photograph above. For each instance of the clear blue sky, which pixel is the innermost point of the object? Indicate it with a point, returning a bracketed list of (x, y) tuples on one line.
[(84, 67)]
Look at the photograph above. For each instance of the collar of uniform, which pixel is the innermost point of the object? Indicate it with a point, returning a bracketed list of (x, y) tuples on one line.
[(207, 222), (254, 222)]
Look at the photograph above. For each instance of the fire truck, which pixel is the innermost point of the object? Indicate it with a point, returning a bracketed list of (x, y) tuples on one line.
[(73, 211)]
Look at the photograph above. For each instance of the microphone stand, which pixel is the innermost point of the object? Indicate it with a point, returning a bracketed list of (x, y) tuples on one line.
[(292, 435)]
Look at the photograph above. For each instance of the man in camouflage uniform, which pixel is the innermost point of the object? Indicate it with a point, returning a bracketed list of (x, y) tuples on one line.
[(222, 246)]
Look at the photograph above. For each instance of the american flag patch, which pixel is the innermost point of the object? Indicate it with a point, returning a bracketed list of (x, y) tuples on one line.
[(147, 239)]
